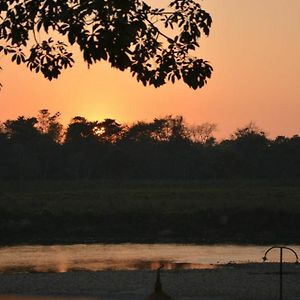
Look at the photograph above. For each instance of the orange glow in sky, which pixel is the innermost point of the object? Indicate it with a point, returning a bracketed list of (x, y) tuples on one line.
[(254, 47)]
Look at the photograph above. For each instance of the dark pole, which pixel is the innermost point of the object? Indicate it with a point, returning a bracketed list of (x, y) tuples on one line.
[(280, 272), (280, 265)]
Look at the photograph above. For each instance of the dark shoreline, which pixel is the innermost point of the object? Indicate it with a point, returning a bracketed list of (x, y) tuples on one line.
[(216, 227)]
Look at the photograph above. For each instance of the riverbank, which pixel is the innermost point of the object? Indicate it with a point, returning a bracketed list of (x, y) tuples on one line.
[(232, 281)]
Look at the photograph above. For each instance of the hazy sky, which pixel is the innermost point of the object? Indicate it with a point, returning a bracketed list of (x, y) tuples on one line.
[(254, 47)]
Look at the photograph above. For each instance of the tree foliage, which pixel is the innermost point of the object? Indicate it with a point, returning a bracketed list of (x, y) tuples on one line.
[(154, 44)]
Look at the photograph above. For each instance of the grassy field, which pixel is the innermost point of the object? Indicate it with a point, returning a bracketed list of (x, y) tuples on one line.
[(149, 196), (164, 211)]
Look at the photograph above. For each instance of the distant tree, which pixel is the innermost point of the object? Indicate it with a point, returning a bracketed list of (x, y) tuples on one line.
[(22, 130), (250, 147), (169, 128), (203, 133), (250, 130), (49, 125), (35, 152), (250, 138), (138, 132), (80, 129), (164, 129), (24, 138), (177, 128), (109, 130), (82, 147), (284, 157), (127, 33), (160, 129)]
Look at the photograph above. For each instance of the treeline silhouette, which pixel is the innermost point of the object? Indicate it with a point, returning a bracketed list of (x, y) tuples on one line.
[(166, 148)]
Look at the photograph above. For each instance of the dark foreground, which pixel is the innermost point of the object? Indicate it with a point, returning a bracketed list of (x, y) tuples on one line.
[(253, 281)]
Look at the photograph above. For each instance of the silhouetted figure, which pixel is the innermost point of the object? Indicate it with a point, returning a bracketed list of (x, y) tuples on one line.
[(158, 293)]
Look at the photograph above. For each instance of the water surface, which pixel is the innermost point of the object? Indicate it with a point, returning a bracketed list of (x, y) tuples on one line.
[(97, 257)]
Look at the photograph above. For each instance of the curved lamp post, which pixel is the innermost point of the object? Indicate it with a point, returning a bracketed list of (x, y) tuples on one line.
[(280, 270)]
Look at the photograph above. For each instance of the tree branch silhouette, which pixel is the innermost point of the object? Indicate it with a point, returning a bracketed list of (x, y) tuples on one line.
[(118, 31)]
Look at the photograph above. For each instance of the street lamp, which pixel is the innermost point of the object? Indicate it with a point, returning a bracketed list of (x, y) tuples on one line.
[(280, 270)]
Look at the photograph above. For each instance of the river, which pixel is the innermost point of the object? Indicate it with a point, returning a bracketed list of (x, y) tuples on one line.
[(98, 257)]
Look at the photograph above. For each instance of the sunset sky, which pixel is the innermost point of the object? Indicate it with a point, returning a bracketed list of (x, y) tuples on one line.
[(254, 47)]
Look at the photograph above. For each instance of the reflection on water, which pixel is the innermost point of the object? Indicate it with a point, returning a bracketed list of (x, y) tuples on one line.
[(97, 257)]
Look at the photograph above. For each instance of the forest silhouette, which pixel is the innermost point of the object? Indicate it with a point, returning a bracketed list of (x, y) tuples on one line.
[(35, 148)]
